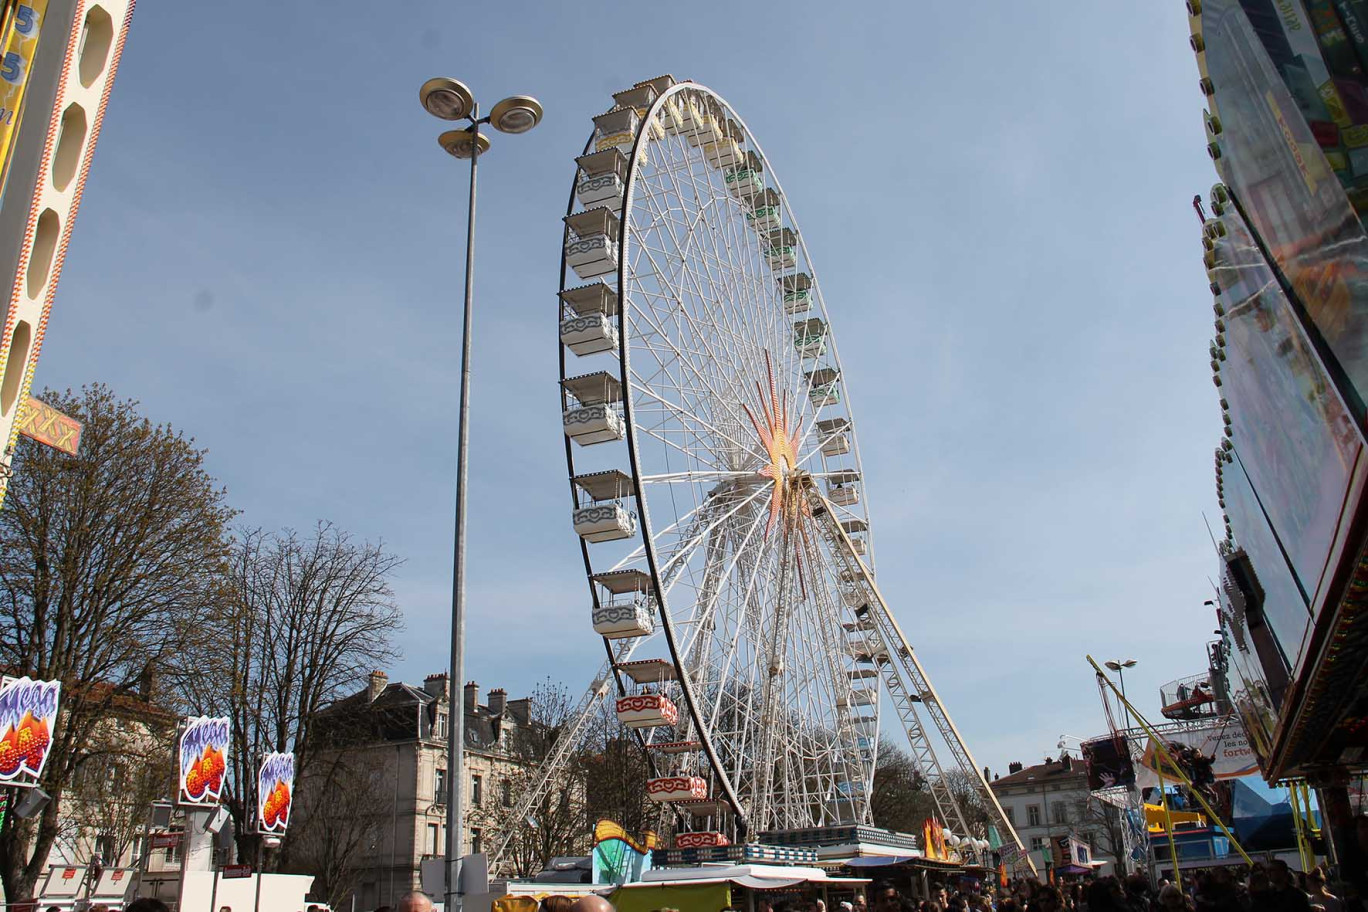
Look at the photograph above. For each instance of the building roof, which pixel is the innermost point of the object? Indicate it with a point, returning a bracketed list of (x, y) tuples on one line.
[(1049, 771)]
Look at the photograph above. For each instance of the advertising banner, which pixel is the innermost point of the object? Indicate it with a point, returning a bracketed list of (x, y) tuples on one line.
[(275, 792), (18, 46), (28, 716), (203, 754), (1225, 743)]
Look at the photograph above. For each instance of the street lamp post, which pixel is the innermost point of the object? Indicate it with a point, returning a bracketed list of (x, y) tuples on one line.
[(1119, 666), (448, 99)]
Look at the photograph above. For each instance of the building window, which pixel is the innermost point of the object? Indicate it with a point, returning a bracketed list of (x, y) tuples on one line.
[(441, 725), (1033, 815), (1059, 813), (476, 790), (439, 787), (476, 841), (1037, 843), (434, 846), (506, 793), (1011, 814)]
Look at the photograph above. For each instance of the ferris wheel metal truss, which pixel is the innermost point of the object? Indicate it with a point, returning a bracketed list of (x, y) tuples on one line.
[(715, 480)]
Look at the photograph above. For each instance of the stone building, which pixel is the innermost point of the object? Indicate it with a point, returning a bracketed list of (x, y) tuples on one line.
[(381, 776), (1051, 800)]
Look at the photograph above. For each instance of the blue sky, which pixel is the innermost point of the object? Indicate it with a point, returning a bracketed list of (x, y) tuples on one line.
[(270, 249)]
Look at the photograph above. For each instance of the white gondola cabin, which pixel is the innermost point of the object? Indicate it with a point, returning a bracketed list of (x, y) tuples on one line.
[(591, 249), (693, 117), (725, 152), (602, 178), (810, 337), (675, 747), (617, 129), (589, 319), (843, 487), (647, 711), (857, 698), (824, 386), (668, 110), (593, 413), (766, 212), (747, 181), (834, 434), (601, 515), (649, 671), (783, 249), (676, 788), (856, 529), (797, 290), (625, 607), (700, 840)]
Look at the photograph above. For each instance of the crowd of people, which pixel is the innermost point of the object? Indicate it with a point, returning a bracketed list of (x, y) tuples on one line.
[(1270, 886)]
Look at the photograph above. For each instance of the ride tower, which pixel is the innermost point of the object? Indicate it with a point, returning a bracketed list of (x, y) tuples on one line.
[(58, 60)]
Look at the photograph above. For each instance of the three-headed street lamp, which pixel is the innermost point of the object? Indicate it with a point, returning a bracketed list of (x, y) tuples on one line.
[(451, 100)]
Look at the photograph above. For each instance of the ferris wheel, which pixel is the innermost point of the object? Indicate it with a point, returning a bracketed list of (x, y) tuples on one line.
[(716, 484)]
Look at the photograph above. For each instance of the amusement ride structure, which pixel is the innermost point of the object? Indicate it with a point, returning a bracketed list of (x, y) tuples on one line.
[(716, 489)]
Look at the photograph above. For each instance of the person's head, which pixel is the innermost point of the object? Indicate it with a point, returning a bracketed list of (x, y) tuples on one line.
[(1171, 898), (1047, 899), (592, 903), (221, 909), (145, 904), (556, 903), (1279, 874), (861, 902), (820, 905), (845, 906), (414, 901), (384, 909), (1315, 879)]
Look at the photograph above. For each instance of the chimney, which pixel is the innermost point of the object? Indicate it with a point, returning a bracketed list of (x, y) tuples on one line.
[(146, 682), (1013, 767), (520, 711), (472, 698), (498, 699), (1066, 761), (435, 685), (377, 683)]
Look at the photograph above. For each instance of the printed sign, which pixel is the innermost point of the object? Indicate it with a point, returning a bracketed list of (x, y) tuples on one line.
[(1225, 744), (16, 59), (28, 715), (235, 871), (203, 753), (275, 792), (43, 423)]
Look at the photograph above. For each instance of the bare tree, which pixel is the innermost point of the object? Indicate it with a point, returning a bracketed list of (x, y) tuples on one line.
[(120, 773), (341, 806), (305, 617), (558, 824), (108, 562), (900, 801)]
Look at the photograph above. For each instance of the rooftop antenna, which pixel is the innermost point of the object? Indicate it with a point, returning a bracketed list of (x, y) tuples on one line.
[(1197, 204)]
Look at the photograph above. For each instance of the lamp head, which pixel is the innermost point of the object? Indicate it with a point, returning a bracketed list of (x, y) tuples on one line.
[(463, 143), (516, 114), (447, 98)]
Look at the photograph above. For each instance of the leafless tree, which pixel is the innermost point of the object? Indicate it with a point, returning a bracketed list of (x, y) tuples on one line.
[(341, 807), (122, 770), (900, 801), (558, 822), (303, 618), (108, 563)]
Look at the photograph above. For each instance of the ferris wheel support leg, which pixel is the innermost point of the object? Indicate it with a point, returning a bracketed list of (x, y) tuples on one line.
[(554, 764), (899, 661)]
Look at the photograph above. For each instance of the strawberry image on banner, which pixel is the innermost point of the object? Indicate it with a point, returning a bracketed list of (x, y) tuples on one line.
[(203, 753), (28, 715), (275, 791)]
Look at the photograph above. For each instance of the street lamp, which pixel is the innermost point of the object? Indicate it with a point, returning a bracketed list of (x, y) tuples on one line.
[(448, 99), (1119, 666)]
